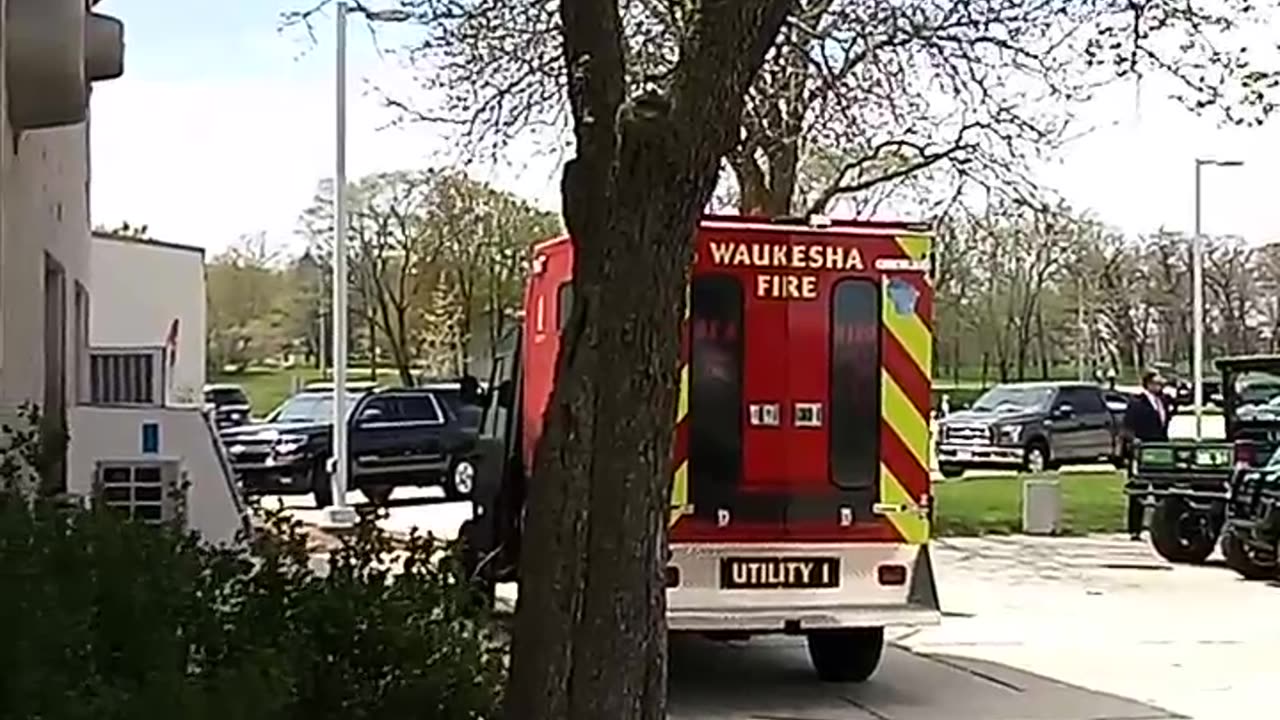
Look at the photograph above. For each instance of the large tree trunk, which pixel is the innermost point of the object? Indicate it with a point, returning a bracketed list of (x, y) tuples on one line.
[(590, 637)]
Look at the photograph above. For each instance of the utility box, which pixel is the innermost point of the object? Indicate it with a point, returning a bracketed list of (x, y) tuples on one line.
[(1041, 506)]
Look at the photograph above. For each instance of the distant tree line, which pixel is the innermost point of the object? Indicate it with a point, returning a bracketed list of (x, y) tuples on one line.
[(436, 269), (1030, 291)]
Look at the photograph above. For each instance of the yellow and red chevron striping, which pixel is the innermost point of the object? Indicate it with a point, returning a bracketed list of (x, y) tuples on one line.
[(680, 454), (906, 369)]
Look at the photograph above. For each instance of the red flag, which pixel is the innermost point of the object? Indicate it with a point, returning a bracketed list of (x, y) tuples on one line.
[(171, 342)]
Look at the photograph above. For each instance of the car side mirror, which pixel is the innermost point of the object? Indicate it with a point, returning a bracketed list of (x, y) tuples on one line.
[(506, 394), (369, 415), (1065, 411)]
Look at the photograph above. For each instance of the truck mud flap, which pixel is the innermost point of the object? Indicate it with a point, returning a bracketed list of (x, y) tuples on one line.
[(924, 587)]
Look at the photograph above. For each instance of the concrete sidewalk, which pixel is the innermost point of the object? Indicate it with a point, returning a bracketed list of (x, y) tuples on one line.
[(1107, 614)]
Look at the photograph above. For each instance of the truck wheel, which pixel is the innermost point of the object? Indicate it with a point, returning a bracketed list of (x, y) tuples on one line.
[(461, 481), (1248, 562), (1035, 459), (472, 554), (1181, 533), (951, 472), (379, 495), (846, 655), (321, 486)]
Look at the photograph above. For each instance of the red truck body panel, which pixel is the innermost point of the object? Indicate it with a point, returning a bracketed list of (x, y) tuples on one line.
[(805, 388)]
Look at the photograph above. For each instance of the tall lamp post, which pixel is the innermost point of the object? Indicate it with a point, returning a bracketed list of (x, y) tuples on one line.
[(339, 513), (1197, 299)]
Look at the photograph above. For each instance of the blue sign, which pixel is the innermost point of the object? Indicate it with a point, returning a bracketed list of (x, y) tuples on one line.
[(150, 438)]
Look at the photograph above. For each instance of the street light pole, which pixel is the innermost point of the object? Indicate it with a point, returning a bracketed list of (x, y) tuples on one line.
[(1197, 299), (339, 513), (1197, 313)]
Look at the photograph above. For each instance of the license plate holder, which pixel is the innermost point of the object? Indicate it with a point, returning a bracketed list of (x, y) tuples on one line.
[(779, 573), (964, 454)]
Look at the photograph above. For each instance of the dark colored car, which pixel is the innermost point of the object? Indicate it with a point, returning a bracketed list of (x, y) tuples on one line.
[(230, 405), (397, 437), (1031, 427)]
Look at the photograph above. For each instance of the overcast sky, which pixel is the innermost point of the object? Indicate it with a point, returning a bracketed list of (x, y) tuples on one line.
[(222, 126)]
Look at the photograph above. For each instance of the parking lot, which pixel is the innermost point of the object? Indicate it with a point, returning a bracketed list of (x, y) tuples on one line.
[(1035, 629)]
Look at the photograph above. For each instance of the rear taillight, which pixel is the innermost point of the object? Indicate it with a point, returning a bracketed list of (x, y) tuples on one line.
[(892, 574), (1246, 455)]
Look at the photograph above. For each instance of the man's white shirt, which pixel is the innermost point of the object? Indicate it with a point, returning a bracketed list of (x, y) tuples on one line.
[(1156, 402)]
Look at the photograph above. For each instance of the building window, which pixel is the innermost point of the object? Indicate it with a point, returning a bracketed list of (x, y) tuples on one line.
[(55, 355), (80, 357), (126, 376)]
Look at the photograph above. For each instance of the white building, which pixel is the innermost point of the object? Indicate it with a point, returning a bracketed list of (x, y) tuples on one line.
[(165, 310), (127, 445), (53, 50)]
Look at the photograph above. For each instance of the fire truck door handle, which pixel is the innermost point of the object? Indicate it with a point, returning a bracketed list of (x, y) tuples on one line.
[(921, 508)]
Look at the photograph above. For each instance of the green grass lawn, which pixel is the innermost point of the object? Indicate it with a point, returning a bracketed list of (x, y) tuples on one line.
[(1091, 503), (268, 387)]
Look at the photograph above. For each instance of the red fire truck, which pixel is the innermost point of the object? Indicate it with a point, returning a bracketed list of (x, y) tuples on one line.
[(800, 488)]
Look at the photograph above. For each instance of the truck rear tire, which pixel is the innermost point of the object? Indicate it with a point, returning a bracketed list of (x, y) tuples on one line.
[(849, 655), (1181, 533), (1246, 561)]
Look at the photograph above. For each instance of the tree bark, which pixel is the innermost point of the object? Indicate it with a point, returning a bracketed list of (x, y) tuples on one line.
[(590, 636)]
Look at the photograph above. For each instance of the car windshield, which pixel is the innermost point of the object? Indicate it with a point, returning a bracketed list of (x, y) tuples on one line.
[(1257, 394), (1013, 398), (226, 396), (310, 408)]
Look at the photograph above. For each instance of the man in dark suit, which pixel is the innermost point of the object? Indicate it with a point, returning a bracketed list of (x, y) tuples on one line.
[(1146, 419)]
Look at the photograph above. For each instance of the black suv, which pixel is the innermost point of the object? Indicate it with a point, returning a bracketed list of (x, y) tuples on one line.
[(229, 403), (1031, 427), (410, 436)]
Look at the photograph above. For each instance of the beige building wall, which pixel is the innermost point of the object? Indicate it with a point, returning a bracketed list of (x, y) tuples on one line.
[(44, 192)]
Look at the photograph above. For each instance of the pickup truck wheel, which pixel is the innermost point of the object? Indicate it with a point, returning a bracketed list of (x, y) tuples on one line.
[(461, 481), (951, 472), (1035, 459), (379, 495), (1251, 564), (849, 655), (1181, 533), (321, 486)]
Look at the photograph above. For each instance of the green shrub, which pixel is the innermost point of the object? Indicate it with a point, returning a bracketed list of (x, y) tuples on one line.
[(105, 619)]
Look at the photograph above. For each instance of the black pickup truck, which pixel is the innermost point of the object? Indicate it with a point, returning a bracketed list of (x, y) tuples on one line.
[(1031, 427), (413, 436)]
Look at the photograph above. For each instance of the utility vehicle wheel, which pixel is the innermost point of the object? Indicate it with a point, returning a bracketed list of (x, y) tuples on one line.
[(1035, 459), (1251, 564), (951, 472), (1181, 533), (321, 486), (847, 655), (379, 495), (472, 555)]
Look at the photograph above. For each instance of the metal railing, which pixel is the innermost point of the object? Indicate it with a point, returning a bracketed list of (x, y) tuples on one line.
[(131, 376)]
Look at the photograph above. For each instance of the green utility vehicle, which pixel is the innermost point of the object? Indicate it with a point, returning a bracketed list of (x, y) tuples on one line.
[(1194, 484)]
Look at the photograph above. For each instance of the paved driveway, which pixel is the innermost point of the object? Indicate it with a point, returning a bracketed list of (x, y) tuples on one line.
[(1036, 629)]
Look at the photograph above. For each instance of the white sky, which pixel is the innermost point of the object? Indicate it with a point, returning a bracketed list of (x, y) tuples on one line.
[(202, 160)]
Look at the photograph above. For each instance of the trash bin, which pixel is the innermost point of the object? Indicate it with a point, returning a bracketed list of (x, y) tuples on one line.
[(1041, 506)]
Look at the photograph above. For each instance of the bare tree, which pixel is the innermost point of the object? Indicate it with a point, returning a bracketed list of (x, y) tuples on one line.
[(1232, 286), (394, 254)]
